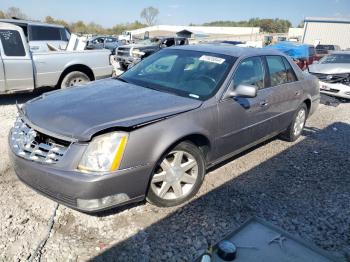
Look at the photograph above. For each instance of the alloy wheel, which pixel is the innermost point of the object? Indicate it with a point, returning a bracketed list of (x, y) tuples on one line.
[(175, 176)]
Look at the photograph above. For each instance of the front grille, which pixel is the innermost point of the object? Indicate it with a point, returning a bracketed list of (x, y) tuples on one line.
[(333, 78), (123, 51), (30, 144)]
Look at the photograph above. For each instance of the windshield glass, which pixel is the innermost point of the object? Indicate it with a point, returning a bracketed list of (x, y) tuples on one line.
[(335, 59), (183, 72), (149, 41)]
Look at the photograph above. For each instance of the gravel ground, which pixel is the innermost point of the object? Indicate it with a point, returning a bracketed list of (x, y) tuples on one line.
[(302, 187)]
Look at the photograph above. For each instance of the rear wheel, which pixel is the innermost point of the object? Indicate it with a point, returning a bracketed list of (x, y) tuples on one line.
[(74, 78), (177, 176), (295, 129)]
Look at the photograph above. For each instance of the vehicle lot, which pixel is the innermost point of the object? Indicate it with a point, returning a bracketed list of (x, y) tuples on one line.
[(302, 187)]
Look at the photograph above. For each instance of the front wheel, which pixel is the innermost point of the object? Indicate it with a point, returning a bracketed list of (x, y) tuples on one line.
[(74, 78), (177, 176), (295, 129)]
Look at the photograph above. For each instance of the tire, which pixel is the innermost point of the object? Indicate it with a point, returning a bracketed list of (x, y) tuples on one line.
[(123, 66), (295, 129), (74, 78), (178, 184)]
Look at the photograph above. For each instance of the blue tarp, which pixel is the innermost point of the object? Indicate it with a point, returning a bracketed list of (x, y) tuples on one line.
[(294, 50)]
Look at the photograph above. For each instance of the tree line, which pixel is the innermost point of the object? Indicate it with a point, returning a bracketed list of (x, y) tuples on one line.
[(149, 16), (266, 25)]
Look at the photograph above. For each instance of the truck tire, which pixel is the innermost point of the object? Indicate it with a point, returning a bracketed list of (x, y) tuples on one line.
[(74, 78)]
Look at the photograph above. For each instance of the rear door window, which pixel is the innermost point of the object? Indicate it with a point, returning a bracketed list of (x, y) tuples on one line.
[(277, 70), (290, 71), (250, 72), (12, 43), (45, 33)]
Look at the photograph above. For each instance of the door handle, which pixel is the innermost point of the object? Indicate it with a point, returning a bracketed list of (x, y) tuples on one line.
[(297, 93), (264, 103)]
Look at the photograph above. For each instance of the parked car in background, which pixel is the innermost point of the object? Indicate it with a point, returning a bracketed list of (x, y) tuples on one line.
[(154, 131), (322, 50), (21, 70), (106, 42), (333, 71), (40, 34), (134, 53), (303, 54)]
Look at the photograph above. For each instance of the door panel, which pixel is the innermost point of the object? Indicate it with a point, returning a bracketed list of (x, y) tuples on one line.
[(16, 60), (285, 92), (243, 121)]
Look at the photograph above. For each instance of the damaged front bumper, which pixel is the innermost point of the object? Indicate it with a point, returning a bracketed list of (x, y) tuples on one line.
[(335, 89)]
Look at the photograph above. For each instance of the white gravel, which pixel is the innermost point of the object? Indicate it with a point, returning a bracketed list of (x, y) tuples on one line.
[(303, 187)]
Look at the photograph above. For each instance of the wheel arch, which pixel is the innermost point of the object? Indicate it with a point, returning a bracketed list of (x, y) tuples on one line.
[(77, 67)]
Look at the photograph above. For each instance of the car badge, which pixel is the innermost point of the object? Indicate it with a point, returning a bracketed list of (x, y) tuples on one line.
[(329, 77)]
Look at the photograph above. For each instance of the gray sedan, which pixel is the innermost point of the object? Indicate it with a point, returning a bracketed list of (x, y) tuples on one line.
[(154, 131)]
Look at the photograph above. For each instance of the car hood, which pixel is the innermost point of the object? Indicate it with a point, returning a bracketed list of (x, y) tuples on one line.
[(329, 68), (80, 112)]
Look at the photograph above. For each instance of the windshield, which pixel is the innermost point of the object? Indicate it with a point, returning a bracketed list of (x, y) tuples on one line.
[(335, 59), (149, 41), (187, 73)]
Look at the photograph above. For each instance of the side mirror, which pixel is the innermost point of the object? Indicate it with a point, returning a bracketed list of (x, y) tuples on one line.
[(243, 90)]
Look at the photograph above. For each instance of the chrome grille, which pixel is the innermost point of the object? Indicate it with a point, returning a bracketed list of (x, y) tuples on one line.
[(32, 145)]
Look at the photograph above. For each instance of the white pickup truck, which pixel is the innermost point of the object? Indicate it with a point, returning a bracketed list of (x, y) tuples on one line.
[(21, 70)]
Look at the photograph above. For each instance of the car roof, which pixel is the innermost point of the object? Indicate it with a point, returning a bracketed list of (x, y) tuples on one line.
[(229, 50), (28, 22), (8, 26)]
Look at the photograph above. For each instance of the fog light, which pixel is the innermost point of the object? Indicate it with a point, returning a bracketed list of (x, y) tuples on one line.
[(102, 202)]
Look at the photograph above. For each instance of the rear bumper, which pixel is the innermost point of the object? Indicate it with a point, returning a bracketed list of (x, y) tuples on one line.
[(84, 192)]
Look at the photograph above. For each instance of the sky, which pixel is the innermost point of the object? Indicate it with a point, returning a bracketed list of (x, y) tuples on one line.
[(179, 12)]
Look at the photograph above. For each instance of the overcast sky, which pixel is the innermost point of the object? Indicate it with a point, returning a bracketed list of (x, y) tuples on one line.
[(181, 12)]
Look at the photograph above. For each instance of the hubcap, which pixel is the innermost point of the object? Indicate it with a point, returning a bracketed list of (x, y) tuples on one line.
[(299, 122), (175, 176), (76, 81)]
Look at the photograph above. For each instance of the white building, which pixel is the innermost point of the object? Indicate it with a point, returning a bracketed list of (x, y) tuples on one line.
[(199, 30), (332, 31)]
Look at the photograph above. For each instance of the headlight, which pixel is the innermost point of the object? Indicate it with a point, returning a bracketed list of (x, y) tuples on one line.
[(104, 153), (137, 53)]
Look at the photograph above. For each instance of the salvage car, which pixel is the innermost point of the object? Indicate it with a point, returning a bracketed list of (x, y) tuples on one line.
[(40, 34), (24, 71), (154, 131), (134, 53), (333, 71), (103, 42)]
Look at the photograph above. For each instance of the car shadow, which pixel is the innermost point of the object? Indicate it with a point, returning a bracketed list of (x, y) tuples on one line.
[(304, 190)]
